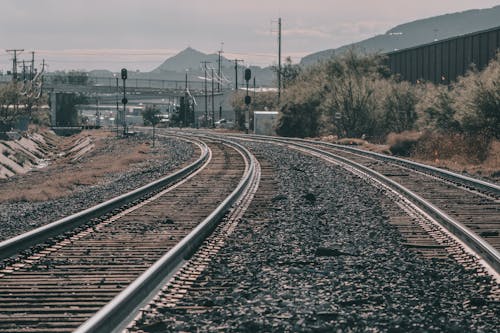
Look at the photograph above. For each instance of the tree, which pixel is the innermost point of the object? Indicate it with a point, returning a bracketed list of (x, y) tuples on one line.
[(289, 72), (350, 98), (477, 101), (399, 107), (11, 105), (72, 77), (151, 116)]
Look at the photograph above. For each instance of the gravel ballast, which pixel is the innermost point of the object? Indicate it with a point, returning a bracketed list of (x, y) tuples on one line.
[(323, 257), (21, 216)]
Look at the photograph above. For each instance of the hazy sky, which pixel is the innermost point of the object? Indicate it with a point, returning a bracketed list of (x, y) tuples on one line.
[(140, 34)]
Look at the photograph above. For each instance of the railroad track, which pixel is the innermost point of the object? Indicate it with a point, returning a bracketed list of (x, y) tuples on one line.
[(25, 287), (466, 207), (193, 294), (91, 270)]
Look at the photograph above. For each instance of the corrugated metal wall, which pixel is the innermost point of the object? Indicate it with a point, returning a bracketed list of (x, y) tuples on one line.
[(443, 61)]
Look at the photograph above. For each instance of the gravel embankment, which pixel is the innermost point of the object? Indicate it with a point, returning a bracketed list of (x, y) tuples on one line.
[(21, 216), (327, 260)]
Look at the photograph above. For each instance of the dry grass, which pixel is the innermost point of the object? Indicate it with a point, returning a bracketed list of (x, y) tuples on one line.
[(467, 160), (110, 156), (383, 149), (454, 152), (457, 152)]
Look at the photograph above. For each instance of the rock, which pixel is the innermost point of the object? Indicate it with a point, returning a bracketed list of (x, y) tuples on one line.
[(310, 198), (279, 197), (329, 252), (478, 301)]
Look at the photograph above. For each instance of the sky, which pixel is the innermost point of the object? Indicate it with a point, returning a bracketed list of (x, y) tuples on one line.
[(141, 34)]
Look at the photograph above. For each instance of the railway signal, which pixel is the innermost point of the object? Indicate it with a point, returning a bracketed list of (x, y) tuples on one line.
[(124, 100), (124, 73), (248, 99)]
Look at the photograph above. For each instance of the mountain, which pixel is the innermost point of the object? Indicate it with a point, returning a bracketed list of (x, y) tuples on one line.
[(174, 68), (419, 32), (189, 59)]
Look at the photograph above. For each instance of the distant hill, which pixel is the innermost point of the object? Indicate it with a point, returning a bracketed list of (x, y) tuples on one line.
[(419, 32), (190, 59), (174, 68)]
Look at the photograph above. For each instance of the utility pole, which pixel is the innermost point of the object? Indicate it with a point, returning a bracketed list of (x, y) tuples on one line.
[(24, 71), (117, 95), (14, 63), (32, 70), (187, 108), (97, 114), (43, 69), (253, 101), (279, 60), (213, 100), (219, 66), (206, 91), (236, 74)]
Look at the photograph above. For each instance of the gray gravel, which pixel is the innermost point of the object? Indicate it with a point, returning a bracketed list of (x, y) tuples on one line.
[(327, 260), (22, 216)]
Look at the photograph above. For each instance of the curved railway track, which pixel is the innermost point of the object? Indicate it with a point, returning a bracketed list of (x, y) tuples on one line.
[(192, 293), (56, 277), (467, 207), (102, 272)]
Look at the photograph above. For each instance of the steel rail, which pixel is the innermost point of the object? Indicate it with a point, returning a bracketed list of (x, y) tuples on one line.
[(112, 316), (482, 248), (448, 175), (22, 242)]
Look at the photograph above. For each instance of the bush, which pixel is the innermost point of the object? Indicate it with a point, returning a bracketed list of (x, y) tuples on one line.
[(399, 107), (298, 120), (478, 101), (403, 144), (439, 146)]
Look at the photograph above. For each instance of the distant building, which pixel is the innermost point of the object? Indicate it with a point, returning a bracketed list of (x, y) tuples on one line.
[(264, 122)]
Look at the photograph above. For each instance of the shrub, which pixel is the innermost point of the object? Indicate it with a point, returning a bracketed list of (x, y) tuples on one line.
[(439, 146), (403, 144), (477, 101), (399, 107)]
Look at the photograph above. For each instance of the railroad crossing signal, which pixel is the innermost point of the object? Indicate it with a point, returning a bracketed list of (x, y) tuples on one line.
[(248, 100)]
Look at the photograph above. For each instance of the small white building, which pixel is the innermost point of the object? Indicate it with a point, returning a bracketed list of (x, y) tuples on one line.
[(264, 122)]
